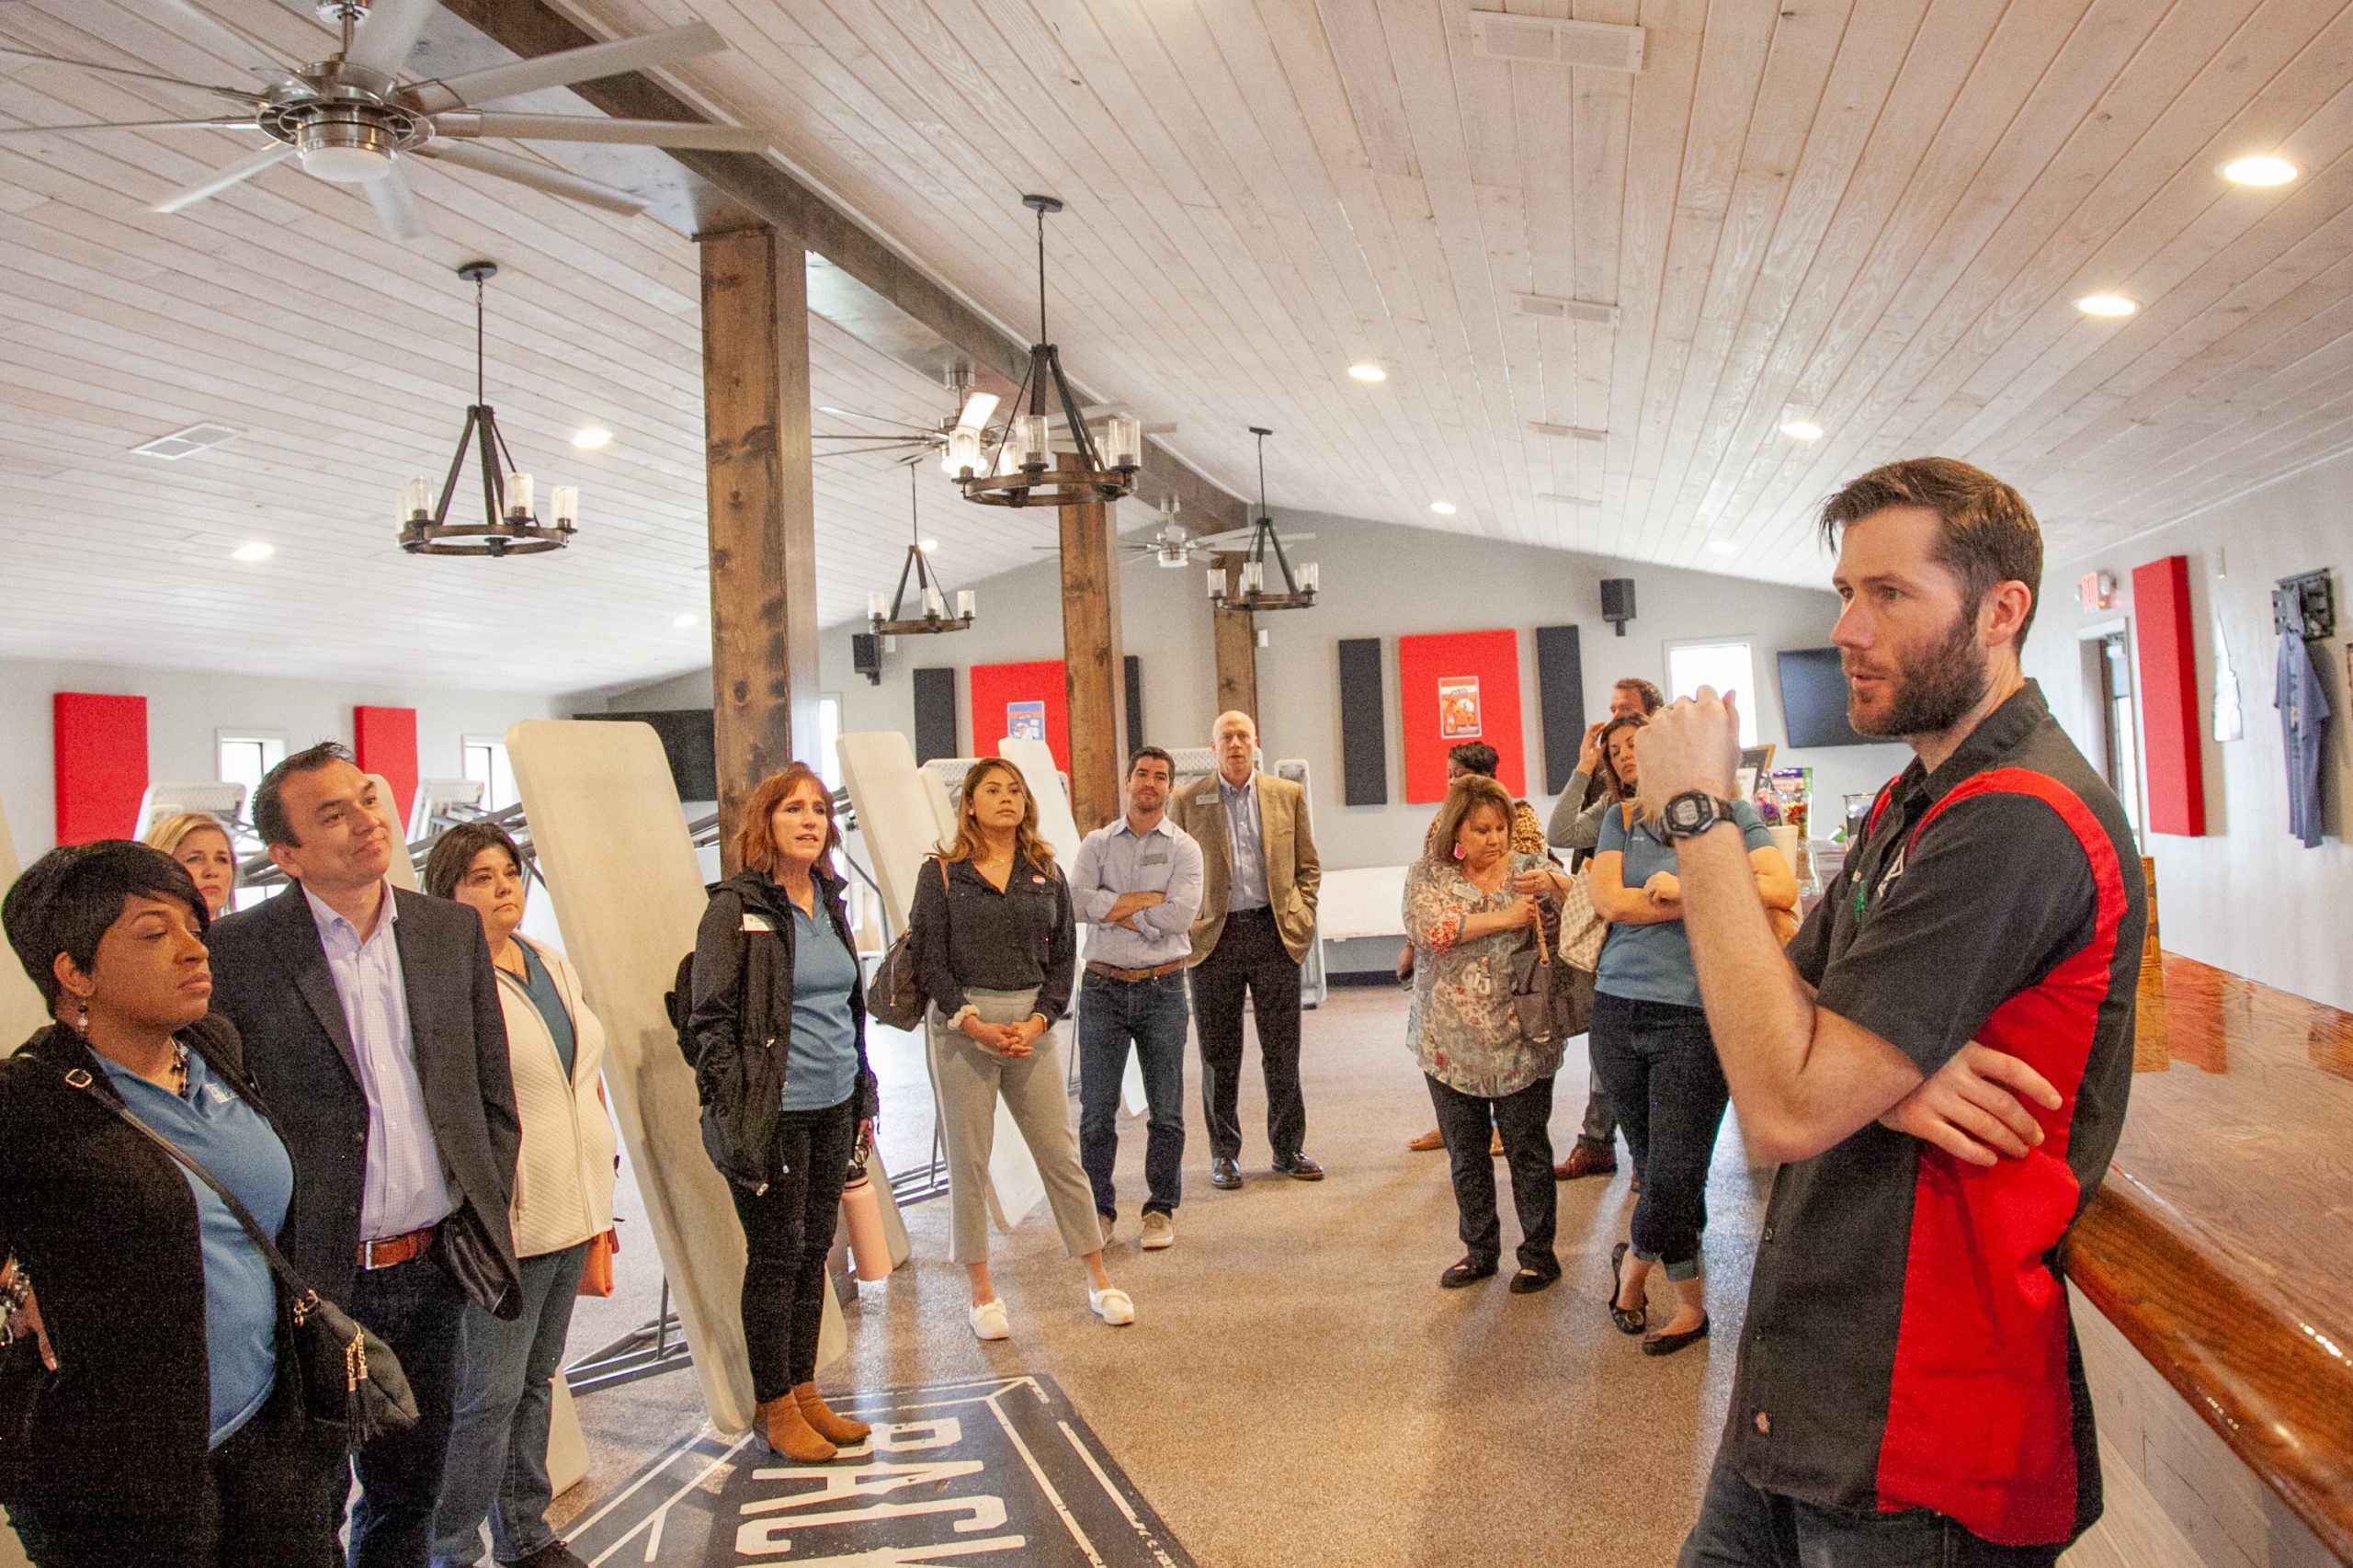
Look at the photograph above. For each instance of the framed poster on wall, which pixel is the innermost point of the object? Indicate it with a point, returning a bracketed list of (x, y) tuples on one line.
[(1026, 701), (1458, 686)]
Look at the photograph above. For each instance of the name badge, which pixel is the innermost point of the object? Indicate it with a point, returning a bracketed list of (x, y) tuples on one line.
[(1152, 857), (758, 923)]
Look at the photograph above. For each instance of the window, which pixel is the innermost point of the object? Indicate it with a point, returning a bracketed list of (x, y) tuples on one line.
[(242, 759), (1727, 666), (829, 735), (484, 759)]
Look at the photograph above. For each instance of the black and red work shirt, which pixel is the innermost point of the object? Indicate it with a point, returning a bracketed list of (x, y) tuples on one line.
[(1908, 1343)]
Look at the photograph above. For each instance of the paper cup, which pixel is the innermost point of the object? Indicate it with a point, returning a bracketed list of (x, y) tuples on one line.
[(1785, 839)]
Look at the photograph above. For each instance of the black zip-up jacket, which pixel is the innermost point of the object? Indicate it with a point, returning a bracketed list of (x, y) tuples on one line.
[(741, 1025)]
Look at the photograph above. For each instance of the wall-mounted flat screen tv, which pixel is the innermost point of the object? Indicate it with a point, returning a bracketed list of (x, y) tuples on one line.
[(688, 741), (1814, 699)]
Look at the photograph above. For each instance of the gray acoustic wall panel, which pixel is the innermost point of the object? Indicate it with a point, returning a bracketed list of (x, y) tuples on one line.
[(1559, 694), (936, 714), (1364, 724)]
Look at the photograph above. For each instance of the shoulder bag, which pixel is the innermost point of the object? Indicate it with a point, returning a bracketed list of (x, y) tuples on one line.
[(1582, 927), (896, 998), (351, 1380)]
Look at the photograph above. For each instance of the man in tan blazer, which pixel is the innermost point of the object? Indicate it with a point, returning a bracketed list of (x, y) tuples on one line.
[(1259, 877)]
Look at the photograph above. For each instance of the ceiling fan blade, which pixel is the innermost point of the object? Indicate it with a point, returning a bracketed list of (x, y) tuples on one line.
[(567, 66), (235, 173), (91, 65), (396, 207), (388, 33), (596, 128), (924, 430), (539, 177), (138, 125), (190, 23)]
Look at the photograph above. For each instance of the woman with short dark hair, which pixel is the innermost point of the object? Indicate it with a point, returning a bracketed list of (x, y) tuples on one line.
[(149, 1411), (778, 1031)]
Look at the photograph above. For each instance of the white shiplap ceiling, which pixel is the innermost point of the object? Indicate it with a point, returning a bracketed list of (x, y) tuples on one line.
[(1881, 210)]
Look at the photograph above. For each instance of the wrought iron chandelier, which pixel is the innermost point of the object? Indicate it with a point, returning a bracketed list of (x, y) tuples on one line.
[(1022, 468), (508, 526), (1295, 589), (931, 595)]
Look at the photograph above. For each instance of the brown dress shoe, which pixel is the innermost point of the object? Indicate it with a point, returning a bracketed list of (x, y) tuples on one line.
[(1584, 1160), (789, 1433), (833, 1428), (1429, 1140)]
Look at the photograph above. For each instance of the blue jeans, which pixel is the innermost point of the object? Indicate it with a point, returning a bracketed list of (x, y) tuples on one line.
[(498, 1441), (1741, 1527), (1151, 1013)]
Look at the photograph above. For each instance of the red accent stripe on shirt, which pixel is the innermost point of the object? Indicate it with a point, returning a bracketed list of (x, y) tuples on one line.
[(1980, 1422)]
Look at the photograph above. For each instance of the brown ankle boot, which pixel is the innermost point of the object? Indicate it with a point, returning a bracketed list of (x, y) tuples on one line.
[(833, 1428), (789, 1433)]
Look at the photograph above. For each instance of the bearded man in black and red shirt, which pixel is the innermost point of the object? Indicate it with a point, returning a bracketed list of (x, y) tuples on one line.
[(1940, 1061)]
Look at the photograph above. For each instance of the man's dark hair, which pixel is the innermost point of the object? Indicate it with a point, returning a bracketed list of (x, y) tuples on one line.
[(1989, 536), (1157, 754), (65, 901), (1648, 695), (454, 851), (271, 820), (1475, 757)]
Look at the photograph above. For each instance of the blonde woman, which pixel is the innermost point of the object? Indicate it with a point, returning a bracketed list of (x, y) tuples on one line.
[(201, 844), (997, 953)]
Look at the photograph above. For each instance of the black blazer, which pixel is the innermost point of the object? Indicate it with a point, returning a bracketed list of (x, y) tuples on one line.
[(271, 978), (106, 1224)]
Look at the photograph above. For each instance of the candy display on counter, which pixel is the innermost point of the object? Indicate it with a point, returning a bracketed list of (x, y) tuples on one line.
[(1786, 799)]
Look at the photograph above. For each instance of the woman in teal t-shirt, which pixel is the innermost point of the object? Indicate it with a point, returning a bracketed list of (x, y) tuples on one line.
[(1652, 1046)]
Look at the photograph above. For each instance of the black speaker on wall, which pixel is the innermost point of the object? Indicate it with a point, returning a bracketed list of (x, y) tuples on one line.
[(1560, 699), (1133, 672), (1364, 724), (935, 713), (1617, 602), (865, 655)]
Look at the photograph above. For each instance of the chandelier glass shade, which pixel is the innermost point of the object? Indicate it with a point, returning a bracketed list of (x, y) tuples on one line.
[(929, 613), (1251, 590), (509, 525)]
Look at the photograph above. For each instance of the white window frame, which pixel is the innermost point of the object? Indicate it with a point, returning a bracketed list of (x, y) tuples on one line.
[(273, 750), (1751, 698), (492, 798)]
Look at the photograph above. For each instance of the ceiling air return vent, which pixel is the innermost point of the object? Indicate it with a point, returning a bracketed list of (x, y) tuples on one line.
[(1552, 309), (1603, 46), (186, 443)]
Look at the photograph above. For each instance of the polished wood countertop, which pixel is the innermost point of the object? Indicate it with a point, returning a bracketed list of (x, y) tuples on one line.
[(2221, 1241)]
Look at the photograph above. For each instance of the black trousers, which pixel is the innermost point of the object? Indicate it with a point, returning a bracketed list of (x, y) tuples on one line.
[(787, 1231), (1249, 958), (1660, 1064), (274, 1499), (416, 1308), (1466, 1120)]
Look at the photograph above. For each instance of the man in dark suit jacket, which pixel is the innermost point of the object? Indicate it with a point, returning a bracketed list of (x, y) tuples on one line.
[(371, 1022)]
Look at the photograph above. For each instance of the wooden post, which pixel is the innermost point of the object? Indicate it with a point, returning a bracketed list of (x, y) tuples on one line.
[(1091, 662), (763, 511), (1236, 639)]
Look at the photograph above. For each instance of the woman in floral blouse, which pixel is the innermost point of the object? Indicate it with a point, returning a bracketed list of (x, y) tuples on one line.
[(1470, 903)]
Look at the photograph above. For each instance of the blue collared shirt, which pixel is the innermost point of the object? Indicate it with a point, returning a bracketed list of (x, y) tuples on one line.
[(1115, 859), (1246, 884), (405, 1190)]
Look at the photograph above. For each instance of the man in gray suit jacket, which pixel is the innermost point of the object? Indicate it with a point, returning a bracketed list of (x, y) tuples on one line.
[(372, 1022)]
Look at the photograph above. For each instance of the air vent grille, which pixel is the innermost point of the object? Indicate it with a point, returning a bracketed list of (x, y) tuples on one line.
[(1602, 46), (186, 443), (1568, 432), (1552, 309)]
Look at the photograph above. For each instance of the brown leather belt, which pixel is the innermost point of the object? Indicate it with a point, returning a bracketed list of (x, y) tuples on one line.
[(387, 1251), (1133, 976)]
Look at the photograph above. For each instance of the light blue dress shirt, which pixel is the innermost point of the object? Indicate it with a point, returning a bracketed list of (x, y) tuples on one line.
[(1115, 859), (1247, 886), (1652, 963), (405, 1190)]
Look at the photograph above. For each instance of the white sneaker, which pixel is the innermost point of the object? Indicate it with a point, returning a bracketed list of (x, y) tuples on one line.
[(988, 1320), (1159, 1231), (1111, 1305)]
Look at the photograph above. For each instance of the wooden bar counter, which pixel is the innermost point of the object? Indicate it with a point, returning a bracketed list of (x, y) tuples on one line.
[(2221, 1243)]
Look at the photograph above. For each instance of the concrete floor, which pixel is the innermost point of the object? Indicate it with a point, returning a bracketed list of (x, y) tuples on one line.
[(1296, 1388)]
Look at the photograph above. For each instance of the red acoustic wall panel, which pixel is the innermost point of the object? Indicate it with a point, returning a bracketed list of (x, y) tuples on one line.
[(1021, 699), (100, 747), (1458, 686), (385, 739), (2171, 764)]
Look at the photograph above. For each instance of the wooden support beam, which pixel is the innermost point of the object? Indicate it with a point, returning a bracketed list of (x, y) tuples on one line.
[(1237, 646), (763, 511), (1092, 667)]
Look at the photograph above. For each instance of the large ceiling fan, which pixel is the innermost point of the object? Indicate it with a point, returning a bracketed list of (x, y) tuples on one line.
[(350, 119)]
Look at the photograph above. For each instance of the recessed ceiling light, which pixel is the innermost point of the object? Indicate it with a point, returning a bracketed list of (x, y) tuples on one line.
[(1800, 425), (2262, 170), (1368, 372), (1443, 508), (256, 550), (588, 441), (1723, 547), (682, 622), (929, 545), (2107, 305)]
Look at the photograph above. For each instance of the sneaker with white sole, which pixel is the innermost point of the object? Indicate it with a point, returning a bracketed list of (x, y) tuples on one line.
[(1111, 1304), (1159, 1231), (988, 1320)]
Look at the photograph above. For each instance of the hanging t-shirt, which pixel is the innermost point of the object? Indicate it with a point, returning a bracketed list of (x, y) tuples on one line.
[(2304, 726)]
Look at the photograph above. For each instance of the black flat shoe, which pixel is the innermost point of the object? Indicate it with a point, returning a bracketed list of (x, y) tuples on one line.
[(1630, 1320), (1465, 1273), (1669, 1344), (1528, 1281)]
